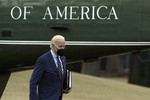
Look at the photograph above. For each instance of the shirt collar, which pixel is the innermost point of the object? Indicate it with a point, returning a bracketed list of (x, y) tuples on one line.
[(53, 54)]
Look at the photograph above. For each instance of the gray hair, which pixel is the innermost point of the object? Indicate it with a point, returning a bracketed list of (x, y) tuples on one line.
[(55, 39)]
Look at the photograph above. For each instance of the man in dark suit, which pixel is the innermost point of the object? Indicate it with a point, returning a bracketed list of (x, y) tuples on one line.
[(48, 76)]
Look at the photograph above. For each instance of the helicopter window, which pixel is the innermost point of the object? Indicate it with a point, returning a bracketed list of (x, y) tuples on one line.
[(6, 33), (3, 2), (32, 2), (8, 2), (20, 2)]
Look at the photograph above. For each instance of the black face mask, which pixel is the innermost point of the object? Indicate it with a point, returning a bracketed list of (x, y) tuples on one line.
[(60, 52)]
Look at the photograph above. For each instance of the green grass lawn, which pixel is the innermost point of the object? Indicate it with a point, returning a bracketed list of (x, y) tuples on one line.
[(84, 88)]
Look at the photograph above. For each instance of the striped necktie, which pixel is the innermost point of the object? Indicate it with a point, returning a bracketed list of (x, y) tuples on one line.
[(59, 68)]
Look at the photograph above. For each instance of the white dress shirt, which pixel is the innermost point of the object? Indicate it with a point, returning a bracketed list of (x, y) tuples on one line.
[(55, 60)]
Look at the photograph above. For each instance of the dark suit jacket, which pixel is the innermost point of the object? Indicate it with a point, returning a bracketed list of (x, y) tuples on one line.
[(45, 83)]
